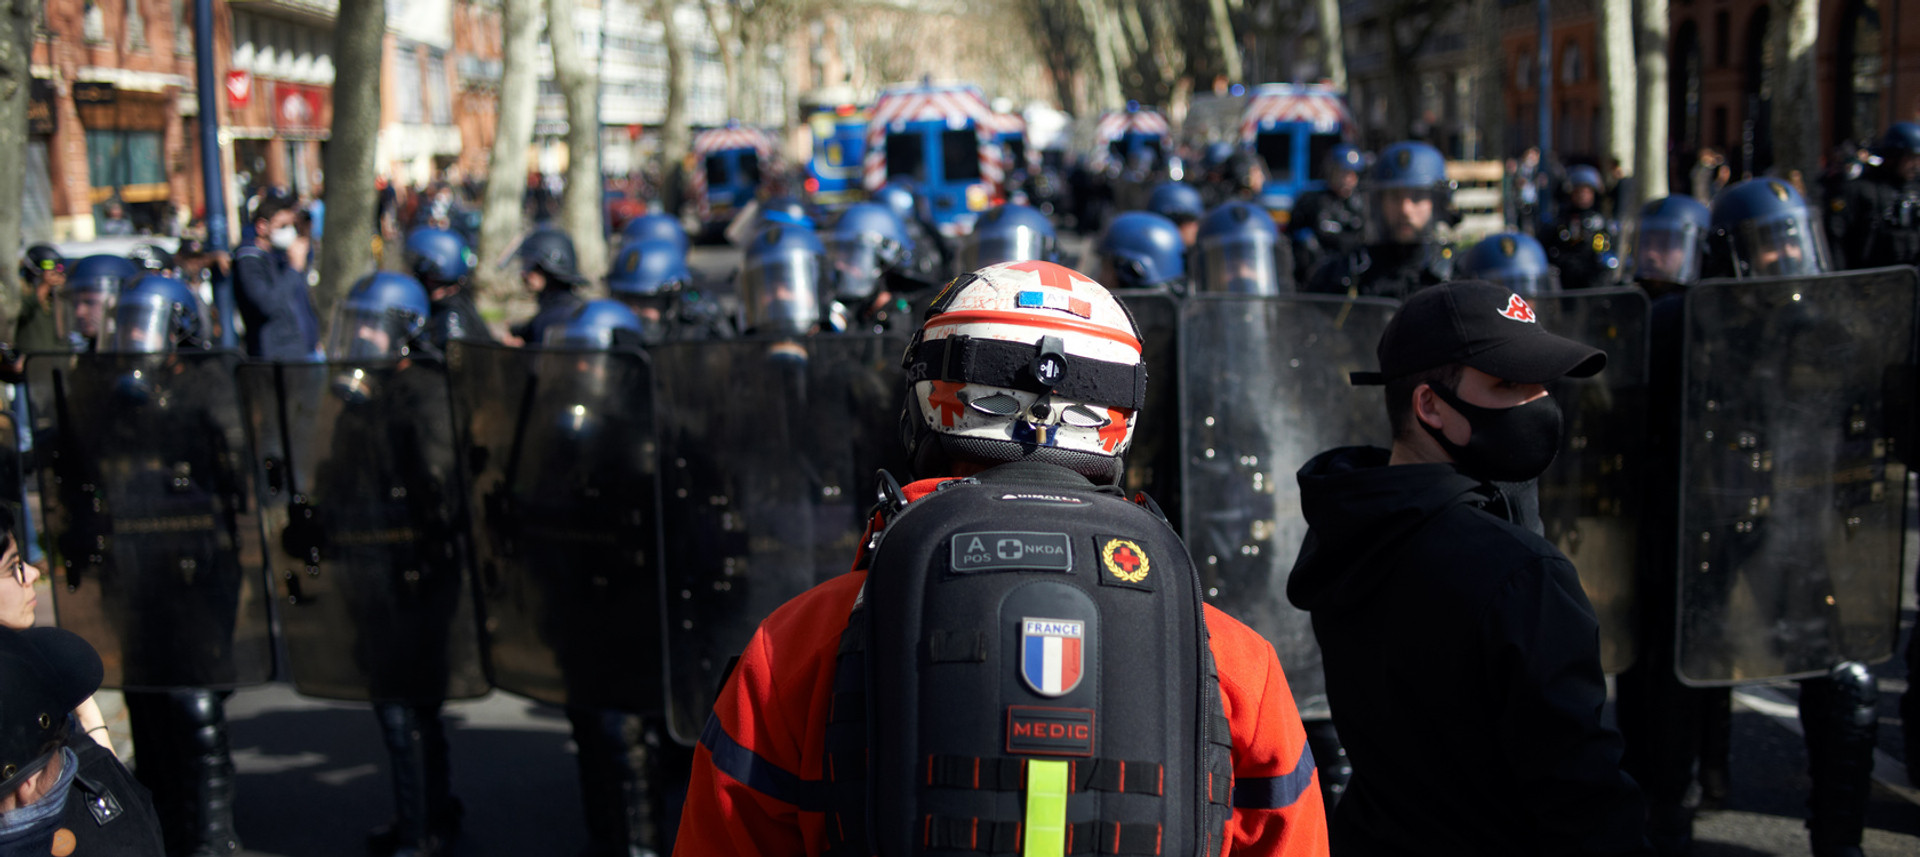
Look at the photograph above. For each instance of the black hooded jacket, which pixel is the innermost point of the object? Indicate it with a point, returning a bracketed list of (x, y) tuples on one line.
[(1463, 668)]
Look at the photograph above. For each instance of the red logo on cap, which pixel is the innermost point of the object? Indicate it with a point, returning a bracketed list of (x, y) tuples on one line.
[(1518, 310)]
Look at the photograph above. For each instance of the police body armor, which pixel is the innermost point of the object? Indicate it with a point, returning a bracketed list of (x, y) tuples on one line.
[(768, 449), (1027, 670), (1264, 387), (562, 474), (1875, 222), (1153, 460), (146, 481), (1584, 251), (366, 530), (1792, 488), (1391, 271), (1326, 228), (1590, 499)]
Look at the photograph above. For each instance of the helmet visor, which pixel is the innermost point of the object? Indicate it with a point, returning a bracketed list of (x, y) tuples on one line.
[(1521, 283), (84, 313), (1019, 244), (859, 262), (365, 333), (1239, 264), (1668, 251), (1786, 245), (781, 292), (145, 324)]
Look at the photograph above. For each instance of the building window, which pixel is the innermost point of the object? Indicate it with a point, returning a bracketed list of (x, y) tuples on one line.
[(439, 100), (136, 26), (117, 159), (1572, 70), (182, 28), (1720, 128), (406, 63), (1722, 36)]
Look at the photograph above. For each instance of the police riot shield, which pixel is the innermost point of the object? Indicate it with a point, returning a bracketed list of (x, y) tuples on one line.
[(1591, 497), (364, 517), (1792, 496), (153, 535), (1264, 388), (563, 486), (769, 452), (1153, 463)]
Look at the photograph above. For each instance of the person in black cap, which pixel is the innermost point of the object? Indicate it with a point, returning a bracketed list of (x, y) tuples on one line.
[(1462, 657), (58, 795)]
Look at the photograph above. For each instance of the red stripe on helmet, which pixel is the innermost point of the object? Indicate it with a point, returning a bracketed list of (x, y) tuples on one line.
[(1063, 323)]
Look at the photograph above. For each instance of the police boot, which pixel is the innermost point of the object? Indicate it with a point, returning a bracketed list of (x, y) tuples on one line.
[(160, 764), (613, 793), (1330, 756), (425, 815), (204, 713), (1716, 747), (1839, 717)]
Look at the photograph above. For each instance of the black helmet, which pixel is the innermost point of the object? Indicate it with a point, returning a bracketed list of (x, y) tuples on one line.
[(1763, 228), (38, 260), (550, 252), (1902, 138)]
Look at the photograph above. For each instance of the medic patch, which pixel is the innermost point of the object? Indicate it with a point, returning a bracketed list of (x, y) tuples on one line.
[(1003, 551), (1050, 654), (1054, 299), (1124, 563), (1036, 731)]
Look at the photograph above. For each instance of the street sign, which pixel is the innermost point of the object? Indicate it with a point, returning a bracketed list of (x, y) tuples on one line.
[(239, 88)]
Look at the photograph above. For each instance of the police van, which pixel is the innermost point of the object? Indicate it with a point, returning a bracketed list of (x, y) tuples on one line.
[(940, 139), (1291, 127)]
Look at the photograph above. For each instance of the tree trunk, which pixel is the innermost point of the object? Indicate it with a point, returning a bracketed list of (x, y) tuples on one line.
[(1333, 43), (1653, 165), (1619, 81), (729, 62), (1100, 18), (675, 137), (580, 213), (501, 213), (1229, 47), (359, 41), (16, 86), (1796, 105)]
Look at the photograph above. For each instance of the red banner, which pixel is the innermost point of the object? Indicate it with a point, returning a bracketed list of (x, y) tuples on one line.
[(300, 108), (239, 88)]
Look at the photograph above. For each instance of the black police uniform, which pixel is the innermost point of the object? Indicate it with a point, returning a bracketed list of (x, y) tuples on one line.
[(557, 303), (1326, 227), (1386, 270), (1576, 248), (456, 318), (1875, 221)]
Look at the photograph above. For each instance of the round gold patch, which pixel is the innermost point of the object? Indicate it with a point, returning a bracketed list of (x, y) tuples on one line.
[(1125, 560), (63, 842)]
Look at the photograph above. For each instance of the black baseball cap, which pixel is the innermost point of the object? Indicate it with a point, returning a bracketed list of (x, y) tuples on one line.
[(1484, 326), (45, 673)]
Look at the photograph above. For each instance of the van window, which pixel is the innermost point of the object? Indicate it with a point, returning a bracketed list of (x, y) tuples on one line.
[(716, 170), (1318, 146), (959, 156), (1277, 150), (904, 156), (750, 169)]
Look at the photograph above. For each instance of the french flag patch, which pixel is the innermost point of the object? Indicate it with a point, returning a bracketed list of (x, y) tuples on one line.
[(1055, 299), (1050, 654)]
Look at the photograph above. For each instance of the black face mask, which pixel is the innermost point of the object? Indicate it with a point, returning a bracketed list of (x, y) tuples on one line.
[(1508, 444)]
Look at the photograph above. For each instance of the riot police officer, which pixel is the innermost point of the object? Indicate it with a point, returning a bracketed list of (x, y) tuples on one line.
[(1330, 224), (1010, 233), (933, 254), (1241, 251), (870, 254), (1582, 243), (93, 284), (1875, 219), (1142, 250), (650, 276), (1511, 259), (781, 282), (1763, 228), (656, 227), (1670, 245), (442, 262), (1408, 197), (1180, 203), (551, 270)]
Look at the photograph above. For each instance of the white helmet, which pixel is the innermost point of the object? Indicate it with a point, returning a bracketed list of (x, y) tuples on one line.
[(1024, 361)]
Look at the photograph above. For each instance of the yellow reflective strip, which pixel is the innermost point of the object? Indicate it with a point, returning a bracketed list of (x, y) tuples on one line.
[(1046, 833)]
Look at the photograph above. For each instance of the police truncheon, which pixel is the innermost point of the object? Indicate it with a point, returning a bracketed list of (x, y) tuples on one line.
[(147, 485), (1591, 497), (1264, 388), (768, 450), (364, 516), (564, 492), (1792, 493)]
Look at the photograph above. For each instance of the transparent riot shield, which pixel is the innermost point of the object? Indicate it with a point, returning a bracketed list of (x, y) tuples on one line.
[(365, 521), (1264, 388), (768, 451), (1792, 498), (1591, 498), (1153, 463), (147, 486), (563, 483)]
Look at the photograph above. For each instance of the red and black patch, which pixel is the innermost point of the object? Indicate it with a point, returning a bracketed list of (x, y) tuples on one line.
[(1040, 731)]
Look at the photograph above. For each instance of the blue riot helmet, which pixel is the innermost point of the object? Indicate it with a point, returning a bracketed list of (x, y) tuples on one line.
[(597, 324), (1587, 177), (151, 259), (656, 227), (1141, 250), (781, 279), (1670, 245), (1009, 233), (899, 197), (1763, 228), (379, 318), (868, 241), (158, 315), (1346, 156), (648, 267), (551, 252), (1237, 251), (1512, 259), (785, 211), (1899, 150), (1176, 201), (1408, 194), (1218, 153), (437, 257), (86, 301)]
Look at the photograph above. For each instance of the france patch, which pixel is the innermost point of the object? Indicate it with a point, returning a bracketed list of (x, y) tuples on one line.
[(1050, 651)]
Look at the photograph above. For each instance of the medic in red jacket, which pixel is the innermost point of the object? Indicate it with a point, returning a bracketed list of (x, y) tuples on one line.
[(757, 786)]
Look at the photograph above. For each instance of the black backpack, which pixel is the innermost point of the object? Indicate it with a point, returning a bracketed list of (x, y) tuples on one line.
[(1027, 667)]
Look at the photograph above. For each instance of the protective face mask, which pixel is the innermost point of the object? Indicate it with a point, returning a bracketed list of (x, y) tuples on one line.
[(283, 237), (1508, 444)]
